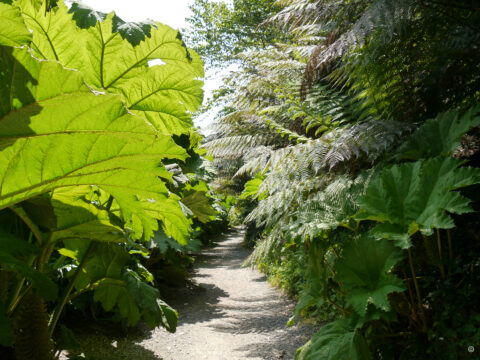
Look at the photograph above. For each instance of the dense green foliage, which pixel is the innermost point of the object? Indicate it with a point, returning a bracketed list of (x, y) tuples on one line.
[(103, 185), (223, 31), (358, 131)]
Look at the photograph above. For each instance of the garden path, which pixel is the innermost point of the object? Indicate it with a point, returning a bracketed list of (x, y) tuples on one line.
[(231, 314)]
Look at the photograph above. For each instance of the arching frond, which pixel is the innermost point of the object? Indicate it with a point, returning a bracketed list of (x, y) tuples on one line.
[(354, 24), (330, 208), (264, 248), (235, 146)]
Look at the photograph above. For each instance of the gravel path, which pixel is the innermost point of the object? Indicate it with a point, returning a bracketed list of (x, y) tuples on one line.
[(233, 314)]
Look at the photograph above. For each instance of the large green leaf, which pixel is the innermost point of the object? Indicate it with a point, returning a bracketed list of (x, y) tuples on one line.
[(147, 299), (102, 273), (440, 136), (169, 211), (79, 215), (200, 206), (164, 95), (164, 242), (116, 287), (417, 196), (338, 340), (13, 31), (252, 186), (135, 299), (93, 141), (364, 272), (86, 17), (106, 260), (10, 249)]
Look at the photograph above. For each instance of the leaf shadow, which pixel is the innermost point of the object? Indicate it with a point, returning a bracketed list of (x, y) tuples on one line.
[(17, 103)]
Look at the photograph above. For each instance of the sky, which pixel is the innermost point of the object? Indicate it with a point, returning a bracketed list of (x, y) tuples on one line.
[(170, 12)]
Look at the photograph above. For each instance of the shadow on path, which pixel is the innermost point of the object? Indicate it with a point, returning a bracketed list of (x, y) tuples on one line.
[(230, 313)]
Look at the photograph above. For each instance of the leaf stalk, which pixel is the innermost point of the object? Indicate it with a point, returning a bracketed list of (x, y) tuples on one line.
[(63, 301), (417, 290), (439, 246)]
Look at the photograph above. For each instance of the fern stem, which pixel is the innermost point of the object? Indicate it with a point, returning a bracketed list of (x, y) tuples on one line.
[(79, 292), (109, 203), (417, 290), (335, 252), (330, 268), (18, 298), (94, 286), (26, 219), (333, 274), (338, 306), (15, 296), (63, 301), (439, 245), (46, 253), (450, 247), (410, 293), (339, 291)]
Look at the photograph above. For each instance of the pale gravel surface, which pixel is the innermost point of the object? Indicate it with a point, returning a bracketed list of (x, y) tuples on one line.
[(233, 314)]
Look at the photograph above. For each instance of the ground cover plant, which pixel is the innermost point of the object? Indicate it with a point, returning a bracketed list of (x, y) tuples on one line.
[(101, 171), (355, 136)]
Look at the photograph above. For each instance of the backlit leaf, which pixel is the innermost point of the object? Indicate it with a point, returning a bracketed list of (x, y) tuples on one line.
[(417, 196), (13, 31), (93, 142), (163, 94), (364, 272)]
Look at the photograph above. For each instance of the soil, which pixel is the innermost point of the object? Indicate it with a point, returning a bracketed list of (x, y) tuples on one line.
[(231, 314)]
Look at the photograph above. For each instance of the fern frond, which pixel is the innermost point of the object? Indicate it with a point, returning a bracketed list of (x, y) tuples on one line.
[(386, 17), (330, 208), (235, 146), (264, 248), (371, 138), (284, 132)]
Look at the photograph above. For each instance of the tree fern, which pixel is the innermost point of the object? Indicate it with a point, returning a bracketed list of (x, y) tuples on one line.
[(329, 208)]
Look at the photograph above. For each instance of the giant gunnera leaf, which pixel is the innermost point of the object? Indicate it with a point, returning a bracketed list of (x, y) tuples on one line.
[(338, 340), (13, 31), (55, 132), (13, 254), (440, 136), (117, 288), (164, 94), (363, 271), (199, 204), (75, 213), (417, 197)]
